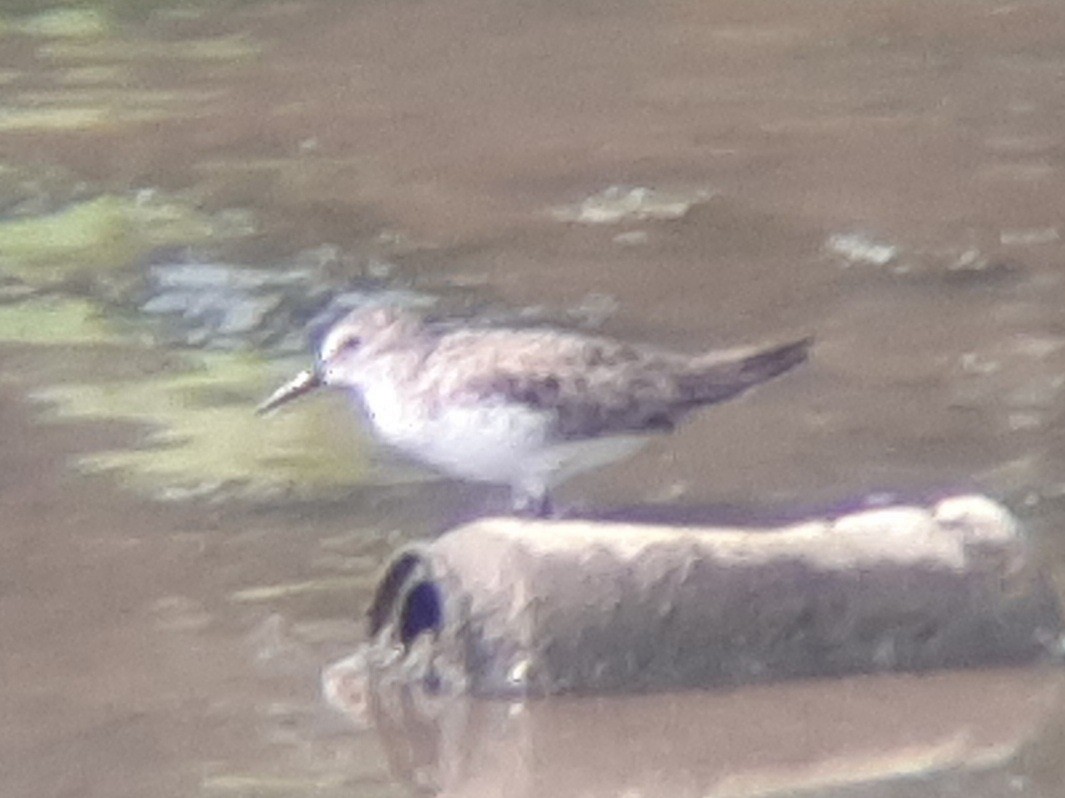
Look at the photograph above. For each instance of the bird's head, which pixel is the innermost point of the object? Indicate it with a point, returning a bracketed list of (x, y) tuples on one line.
[(347, 352)]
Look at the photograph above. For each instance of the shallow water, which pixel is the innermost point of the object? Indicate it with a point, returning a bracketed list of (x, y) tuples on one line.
[(884, 175)]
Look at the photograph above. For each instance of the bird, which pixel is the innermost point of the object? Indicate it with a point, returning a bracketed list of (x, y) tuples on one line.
[(524, 407)]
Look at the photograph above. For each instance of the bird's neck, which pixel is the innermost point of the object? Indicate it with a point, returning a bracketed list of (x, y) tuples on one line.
[(388, 392)]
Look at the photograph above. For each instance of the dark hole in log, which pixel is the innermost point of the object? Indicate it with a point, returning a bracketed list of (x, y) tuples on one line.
[(384, 599), (421, 612)]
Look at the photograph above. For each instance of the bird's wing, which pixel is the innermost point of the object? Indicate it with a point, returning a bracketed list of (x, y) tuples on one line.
[(595, 386), (719, 376), (591, 386)]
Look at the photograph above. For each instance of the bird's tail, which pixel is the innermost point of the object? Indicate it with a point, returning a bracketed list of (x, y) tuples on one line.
[(720, 376)]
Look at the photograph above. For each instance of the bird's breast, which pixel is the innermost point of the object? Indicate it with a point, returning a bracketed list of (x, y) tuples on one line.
[(389, 412)]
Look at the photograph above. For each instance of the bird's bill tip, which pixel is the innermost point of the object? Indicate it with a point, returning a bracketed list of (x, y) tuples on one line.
[(302, 383)]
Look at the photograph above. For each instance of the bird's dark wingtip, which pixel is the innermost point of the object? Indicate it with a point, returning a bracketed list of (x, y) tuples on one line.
[(804, 345), (790, 354), (776, 360)]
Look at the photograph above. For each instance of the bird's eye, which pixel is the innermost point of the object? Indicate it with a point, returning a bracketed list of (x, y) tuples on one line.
[(351, 343)]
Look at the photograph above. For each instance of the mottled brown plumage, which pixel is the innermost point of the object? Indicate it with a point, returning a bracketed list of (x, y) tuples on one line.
[(594, 386)]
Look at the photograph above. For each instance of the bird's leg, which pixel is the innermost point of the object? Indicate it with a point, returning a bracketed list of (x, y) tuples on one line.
[(532, 503)]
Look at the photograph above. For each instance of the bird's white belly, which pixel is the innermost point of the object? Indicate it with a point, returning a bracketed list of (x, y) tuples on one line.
[(492, 442), (486, 444)]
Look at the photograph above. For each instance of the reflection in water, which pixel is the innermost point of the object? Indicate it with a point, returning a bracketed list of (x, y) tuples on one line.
[(762, 741)]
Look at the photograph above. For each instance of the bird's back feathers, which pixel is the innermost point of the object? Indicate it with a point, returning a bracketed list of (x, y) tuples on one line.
[(595, 386)]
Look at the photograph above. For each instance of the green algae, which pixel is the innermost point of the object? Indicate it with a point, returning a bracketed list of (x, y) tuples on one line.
[(233, 48), (118, 99), (54, 320), (204, 435), (15, 119), (64, 23), (197, 407), (98, 107), (92, 75), (107, 233)]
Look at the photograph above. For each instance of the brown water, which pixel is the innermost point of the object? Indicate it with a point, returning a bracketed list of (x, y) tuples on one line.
[(174, 648)]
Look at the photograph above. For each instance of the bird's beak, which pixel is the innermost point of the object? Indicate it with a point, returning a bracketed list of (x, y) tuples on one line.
[(304, 382)]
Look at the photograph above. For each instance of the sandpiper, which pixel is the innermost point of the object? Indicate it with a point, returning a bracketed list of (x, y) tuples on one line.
[(528, 408)]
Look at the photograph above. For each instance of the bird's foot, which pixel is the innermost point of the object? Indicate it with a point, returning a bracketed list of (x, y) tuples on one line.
[(534, 505)]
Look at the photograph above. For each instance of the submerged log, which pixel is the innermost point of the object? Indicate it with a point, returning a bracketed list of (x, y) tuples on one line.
[(505, 607)]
